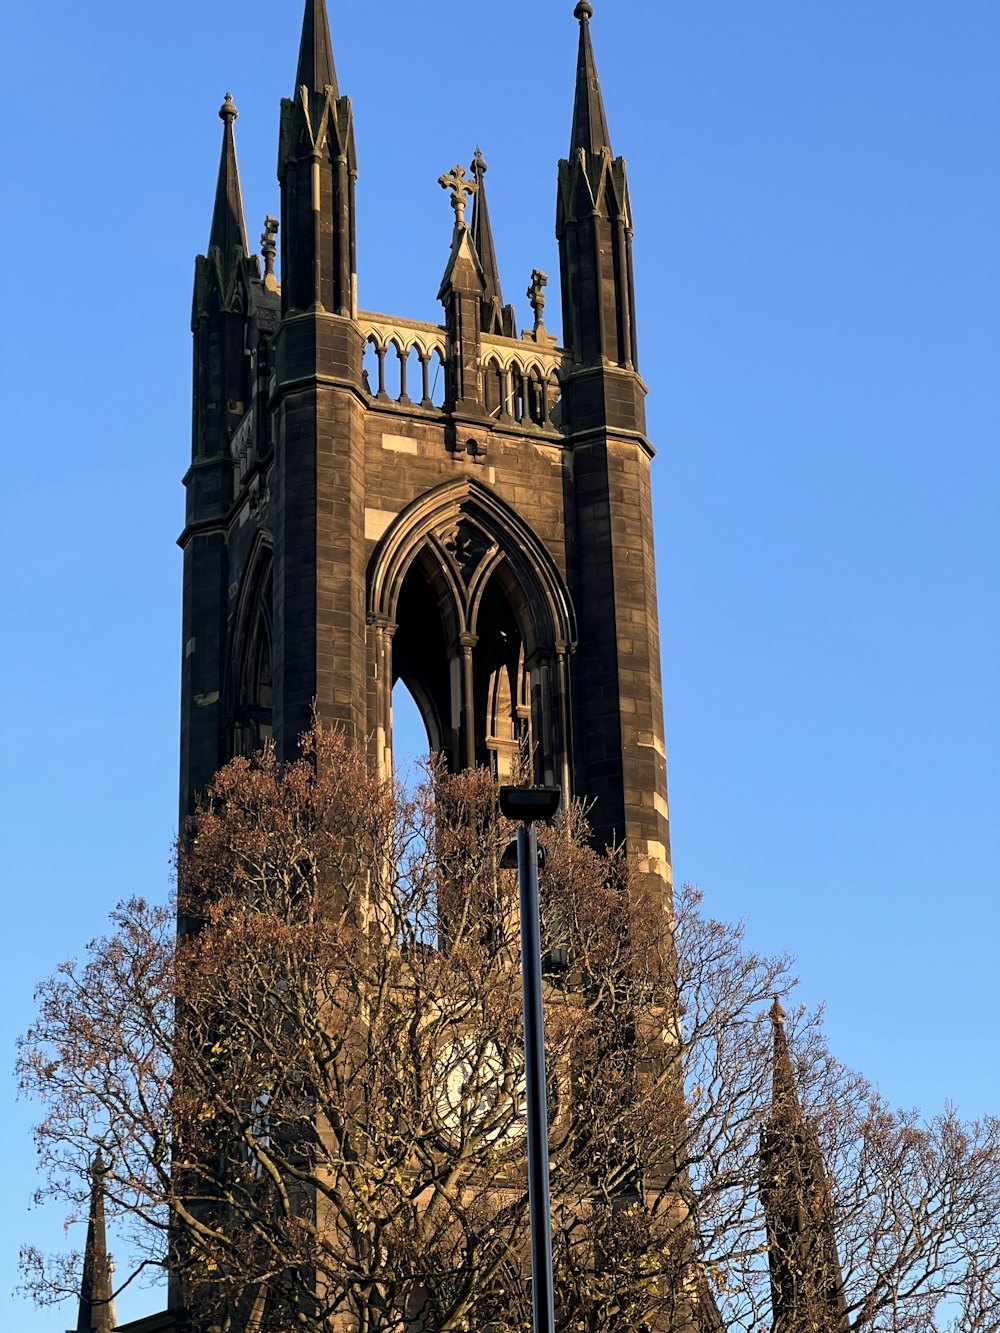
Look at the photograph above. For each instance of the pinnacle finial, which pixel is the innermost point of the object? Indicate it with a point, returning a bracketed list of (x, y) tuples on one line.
[(268, 250), (777, 1011), (584, 11), (536, 295), (479, 167), (228, 112)]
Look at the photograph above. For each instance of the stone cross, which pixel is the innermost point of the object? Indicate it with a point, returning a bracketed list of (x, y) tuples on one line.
[(268, 250), (460, 188), (536, 295), (268, 243)]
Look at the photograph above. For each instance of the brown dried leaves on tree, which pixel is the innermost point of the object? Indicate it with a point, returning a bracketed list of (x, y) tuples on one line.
[(312, 1101)]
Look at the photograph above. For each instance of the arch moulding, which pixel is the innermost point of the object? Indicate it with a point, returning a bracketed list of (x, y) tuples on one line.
[(431, 522)]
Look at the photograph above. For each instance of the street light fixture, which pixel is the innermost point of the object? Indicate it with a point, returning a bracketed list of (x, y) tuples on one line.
[(529, 805)]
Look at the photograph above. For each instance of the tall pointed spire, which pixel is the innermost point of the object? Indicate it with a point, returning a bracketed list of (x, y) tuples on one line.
[(590, 122), (228, 226), (807, 1287), (317, 168), (496, 317), (97, 1307), (316, 70), (594, 229), (482, 231)]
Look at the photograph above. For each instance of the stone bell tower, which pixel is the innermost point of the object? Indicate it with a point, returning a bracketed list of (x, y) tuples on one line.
[(491, 545)]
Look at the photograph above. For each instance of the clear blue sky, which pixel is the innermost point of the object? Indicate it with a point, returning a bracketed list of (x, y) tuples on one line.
[(817, 206)]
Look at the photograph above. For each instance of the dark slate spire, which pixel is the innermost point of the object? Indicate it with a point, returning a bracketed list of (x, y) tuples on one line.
[(317, 168), (97, 1307), (316, 69), (496, 317), (807, 1287), (590, 123), (594, 229), (482, 231), (228, 227)]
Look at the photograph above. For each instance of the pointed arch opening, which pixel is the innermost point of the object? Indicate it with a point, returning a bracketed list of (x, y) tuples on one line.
[(372, 374), (251, 687), (436, 377), (494, 389), (474, 618), (423, 638), (411, 742), (501, 686), (392, 383)]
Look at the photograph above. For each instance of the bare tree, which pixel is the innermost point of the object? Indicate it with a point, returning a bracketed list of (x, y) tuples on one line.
[(309, 1104)]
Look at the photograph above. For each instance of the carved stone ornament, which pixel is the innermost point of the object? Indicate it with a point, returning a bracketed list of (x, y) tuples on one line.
[(268, 249), (536, 294), (468, 545), (461, 191)]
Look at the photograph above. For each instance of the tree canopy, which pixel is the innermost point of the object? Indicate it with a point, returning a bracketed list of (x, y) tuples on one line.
[(309, 1101)]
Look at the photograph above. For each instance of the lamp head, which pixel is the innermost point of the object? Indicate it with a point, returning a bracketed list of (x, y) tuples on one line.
[(530, 805)]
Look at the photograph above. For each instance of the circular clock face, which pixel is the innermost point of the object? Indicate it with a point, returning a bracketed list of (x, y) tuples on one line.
[(479, 1092)]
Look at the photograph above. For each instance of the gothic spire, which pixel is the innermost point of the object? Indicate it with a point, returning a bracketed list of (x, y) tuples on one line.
[(594, 229), (807, 1288), (785, 1094), (482, 232), (228, 227), (316, 69), (496, 317), (590, 123), (317, 168), (97, 1307)]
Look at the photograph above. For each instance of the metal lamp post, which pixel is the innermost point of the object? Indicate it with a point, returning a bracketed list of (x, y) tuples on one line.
[(528, 805)]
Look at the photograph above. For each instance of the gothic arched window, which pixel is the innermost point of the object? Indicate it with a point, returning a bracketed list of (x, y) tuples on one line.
[(251, 685), (471, 613)]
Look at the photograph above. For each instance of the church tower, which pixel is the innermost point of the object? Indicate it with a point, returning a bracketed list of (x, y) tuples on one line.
[(491, 546)]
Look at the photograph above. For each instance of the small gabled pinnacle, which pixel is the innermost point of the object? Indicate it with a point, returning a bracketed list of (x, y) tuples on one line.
[(482, 232), (228, 226), (316, 70), (590, 122)]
